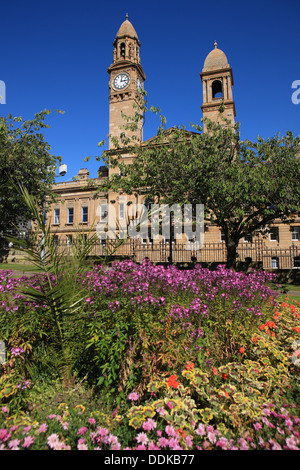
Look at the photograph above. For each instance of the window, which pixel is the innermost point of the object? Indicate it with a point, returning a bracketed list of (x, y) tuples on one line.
[(297, 262), (69, 240), (217, 91), (222, 236), (295, 234), (274, 234), (122, 49), (70, 215), (121, 210), (275, 262), (103, 213), (248, 238), (56, 216), (84, 214)]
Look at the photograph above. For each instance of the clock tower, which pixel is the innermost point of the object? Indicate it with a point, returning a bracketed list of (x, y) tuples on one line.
[(126, 79)]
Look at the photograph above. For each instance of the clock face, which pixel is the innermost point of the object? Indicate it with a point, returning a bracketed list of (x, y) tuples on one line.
[(121, 81)]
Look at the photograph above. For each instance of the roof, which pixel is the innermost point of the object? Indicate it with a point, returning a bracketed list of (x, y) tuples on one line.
[(127, 30), (215, 60)]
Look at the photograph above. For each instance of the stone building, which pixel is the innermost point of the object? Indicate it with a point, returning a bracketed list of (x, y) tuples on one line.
[(76, 206)]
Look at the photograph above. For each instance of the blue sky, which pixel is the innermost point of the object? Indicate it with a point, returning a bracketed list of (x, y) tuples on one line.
[(55, 55)]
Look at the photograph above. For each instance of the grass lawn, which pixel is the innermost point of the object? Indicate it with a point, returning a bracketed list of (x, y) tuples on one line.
[(18, 267)]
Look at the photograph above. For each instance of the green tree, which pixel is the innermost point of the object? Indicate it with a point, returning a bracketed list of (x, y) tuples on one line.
[(25, 158), (244, 186)]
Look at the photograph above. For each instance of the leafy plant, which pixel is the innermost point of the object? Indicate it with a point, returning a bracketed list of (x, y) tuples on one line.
[(58, 293)]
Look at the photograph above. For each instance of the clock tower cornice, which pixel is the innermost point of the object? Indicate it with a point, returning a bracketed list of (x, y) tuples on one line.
[(117, 66)]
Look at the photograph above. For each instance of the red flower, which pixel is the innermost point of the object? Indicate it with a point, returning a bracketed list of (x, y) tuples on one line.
[(172, 382), (242, 350), (215, 371), (190, 366), (225, 376)]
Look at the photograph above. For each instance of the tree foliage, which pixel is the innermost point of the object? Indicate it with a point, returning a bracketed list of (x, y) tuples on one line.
[(25, 158), (244, 186)]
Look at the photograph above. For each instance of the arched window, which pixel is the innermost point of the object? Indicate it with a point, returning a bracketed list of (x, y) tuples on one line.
[(122, 49), (217, 90)]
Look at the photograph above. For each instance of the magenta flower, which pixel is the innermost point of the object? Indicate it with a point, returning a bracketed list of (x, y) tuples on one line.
[(133, 396), (43, 428), (13, 444), (28, 441), (149, 424), (82, 430)]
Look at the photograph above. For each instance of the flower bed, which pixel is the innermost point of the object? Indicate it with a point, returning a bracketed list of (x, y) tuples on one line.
[(193, 359)]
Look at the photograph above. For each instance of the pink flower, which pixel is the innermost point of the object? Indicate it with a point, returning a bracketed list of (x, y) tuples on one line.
[(102, 431), (43, 428), (170, 431), (163, 442), (4, 435), (13, 445), (243, 444), (275, 445), (212, 437), (142, 438), (200, 430), (141, 447), (28, 441), (170, 404), (82, 430), (92, 421), (222, 442), (4, 409), (52, 440), (291, 443), (161, 411), (152, 446), (257, 426), (149, 424), (81, 445), (189, 441), (174, 444), (133, 396)]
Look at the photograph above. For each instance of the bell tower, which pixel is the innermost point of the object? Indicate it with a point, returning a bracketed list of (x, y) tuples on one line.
[(126, 79), (217, 82)]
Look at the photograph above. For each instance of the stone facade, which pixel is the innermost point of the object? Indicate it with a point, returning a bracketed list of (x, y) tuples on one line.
[(76, 206)]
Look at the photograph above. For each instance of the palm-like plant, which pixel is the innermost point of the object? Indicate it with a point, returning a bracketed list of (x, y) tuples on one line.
[(60, 292)]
